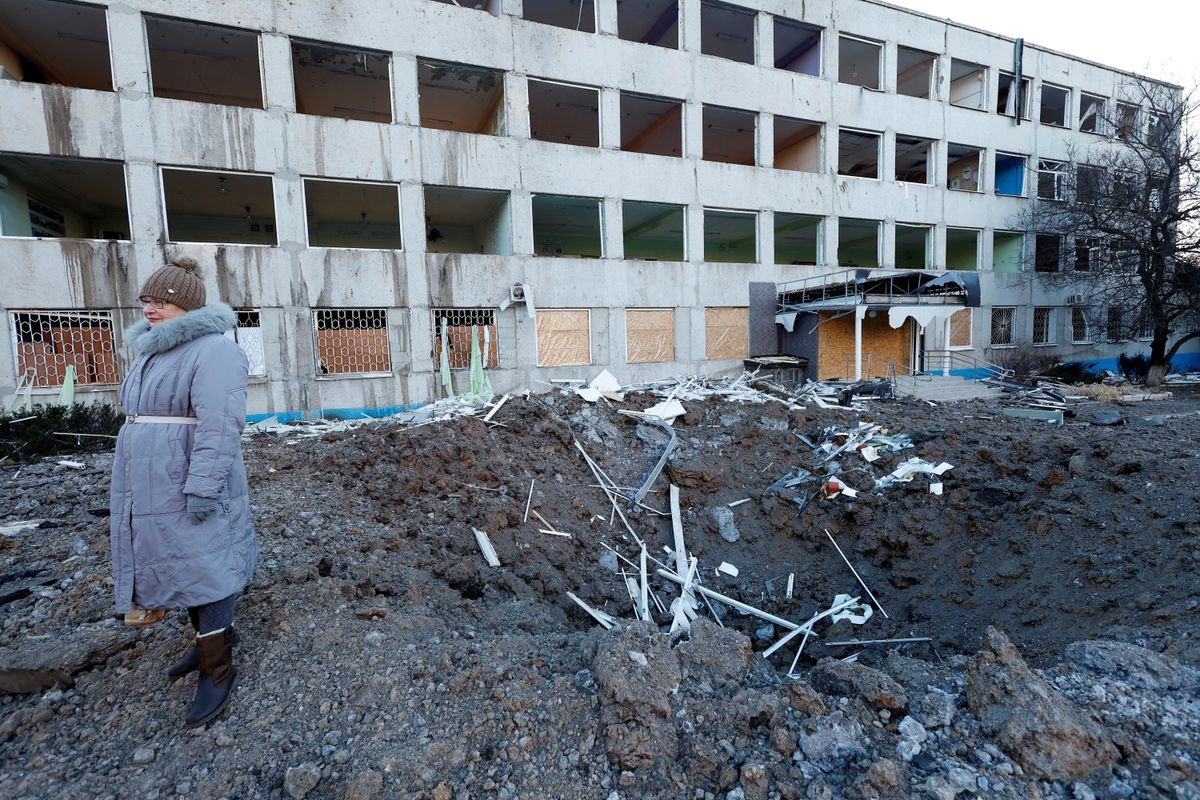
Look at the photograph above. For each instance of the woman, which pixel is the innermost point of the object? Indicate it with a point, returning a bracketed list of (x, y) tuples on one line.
[(181, 530)]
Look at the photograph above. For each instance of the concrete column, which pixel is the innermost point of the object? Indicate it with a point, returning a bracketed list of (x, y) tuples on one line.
[(127, 41), (406, 105), (887, 67), (683, 335), (938, 165), (887, 155), (859, 313), (694, 215), (829, 242), (693, 130), (512, 8), (520, 205), (146, 220), (610, 119), (279, 87), (516, 105), (937, 247), (612, 229), (689, 25), (887, 243), (290, 224), (764, 135), (764, 39), (412, 216), (766, 237), (606, 17)]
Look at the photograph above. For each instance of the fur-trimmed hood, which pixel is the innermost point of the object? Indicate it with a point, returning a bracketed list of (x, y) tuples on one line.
[(212, 318)]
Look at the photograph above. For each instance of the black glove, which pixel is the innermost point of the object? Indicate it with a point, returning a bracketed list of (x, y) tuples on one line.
[(200, 508)]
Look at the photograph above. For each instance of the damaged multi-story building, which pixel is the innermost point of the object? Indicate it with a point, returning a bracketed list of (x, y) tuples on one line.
[(573, 184)]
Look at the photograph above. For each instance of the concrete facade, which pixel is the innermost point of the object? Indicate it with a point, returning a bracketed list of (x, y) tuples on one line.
[(285, 281)]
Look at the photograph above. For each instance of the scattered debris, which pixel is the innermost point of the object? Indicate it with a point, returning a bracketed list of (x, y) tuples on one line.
[(485, 547), (728, 569)]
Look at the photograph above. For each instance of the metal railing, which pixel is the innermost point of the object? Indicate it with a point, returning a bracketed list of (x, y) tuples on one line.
[(874, 365), (951, 361)]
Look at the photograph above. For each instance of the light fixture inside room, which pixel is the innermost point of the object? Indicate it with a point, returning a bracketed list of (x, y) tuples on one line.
[(222, 186)]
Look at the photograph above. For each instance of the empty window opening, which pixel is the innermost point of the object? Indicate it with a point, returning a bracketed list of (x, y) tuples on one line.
[(1055, 105), (454, 329), (858, 62), (1047, 252), (912, 246), (964, 165), (1079, 326), (960, 329), (1007, 96), (50, 343), (461, 220), (913, 155), (649, 335), (653, 231), (1158, 128), (914, 72), (490, 6), (352, 214), (1126, 121), (1089, 184), (797, 47), (459, 97), (858, 153), (729, 135), (1087, 253), (1007, 249), (576, 15), (1002, 327), (564, 337), (62, 198), (1051, 177), (730, 237), (797, 144), (248, 335), (351, 341), (858, 243), (797, 239), (727, 31), (344, 82), (1121, 258), (567, 226), (564, 113), (1115, 327), (219, 207), (651, 125), (962, 248), (726, 332), (968, 84), (1010, 175), (1043, 325), (204, 62), (653, 22), (46, 41), (1091, 113)]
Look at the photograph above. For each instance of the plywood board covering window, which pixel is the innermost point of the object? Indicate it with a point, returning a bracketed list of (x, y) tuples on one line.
[(564, 337), (960, 328), (726, 333), (649, 335)]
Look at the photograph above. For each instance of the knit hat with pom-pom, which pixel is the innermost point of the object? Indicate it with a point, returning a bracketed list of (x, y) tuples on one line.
[(179, 282)]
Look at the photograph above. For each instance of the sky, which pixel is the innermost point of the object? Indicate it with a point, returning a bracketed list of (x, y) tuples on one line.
[(1162, 40)]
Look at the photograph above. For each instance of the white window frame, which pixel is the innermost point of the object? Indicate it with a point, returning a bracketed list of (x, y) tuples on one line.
[(162, 193), (1051, 338), (879, 47), (1012, 328), (1087, 326), (304, 179), (1067, 115), (1058, 169), (878, 154)]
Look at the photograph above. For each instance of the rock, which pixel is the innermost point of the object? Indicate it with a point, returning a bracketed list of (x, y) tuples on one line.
[(911, 729), (961, 779), (1106, 416), (724, 517), (818, 790), (939, 788), (37, 664), (608, 561), (1029, 720), (934, 709), (1134, 665), (1081, 791), (884, 779), (369, 784), (754, 782), (804, 698), (299, 781), (636, 701), (849, 680), (829, 740), (1077, 465), (143, 755), (721, 655), (908, 749)]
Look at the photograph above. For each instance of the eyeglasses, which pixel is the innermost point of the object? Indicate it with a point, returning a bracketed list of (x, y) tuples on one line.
[(153, 302)]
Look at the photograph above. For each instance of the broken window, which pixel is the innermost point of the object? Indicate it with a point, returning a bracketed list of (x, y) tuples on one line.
[(1126, 121), (653, 22), (51, 344), (248, 335), (459, 220), (564, 112), (1006, 251), (1121, 257), (51, 197), (1047, 252), (1010, 175), (652, 125), (1091, 113), (351, 341), (1051, 175), (1089, 184), (46, 41), (1115, 328), (459, 97), (490, 6), (858, 243), (858, 62), (913, 155), (964, 165), (962, 248), (204, 62), (1007, 96), (653, 231), (1079, 326), (1055, 105), (1159, 127), (797, 239), (1043, 325), (968, 84), (729, 135), (1125, 187), (220, 207), (564, 337), (797, 47), (726, 333), (1087, 253), (576, 15), (1002, 327), (567, 226), (730, 237), (344, 82), (727, 31), (649, 335), (797, 144), (456, 324), (960, 329), (352, 214), (914, 72), (858, 153), (912, 246)]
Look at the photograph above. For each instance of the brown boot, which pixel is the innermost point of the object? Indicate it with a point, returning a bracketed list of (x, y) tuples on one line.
[(217, 677)]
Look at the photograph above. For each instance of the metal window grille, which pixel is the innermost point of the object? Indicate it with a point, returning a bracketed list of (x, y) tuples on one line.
[(457, 324), (46, 343), (1145, 326), (1079, 325), (1042, 325), (1002, 326), (351, 341), (248, 335), (1115, 331)]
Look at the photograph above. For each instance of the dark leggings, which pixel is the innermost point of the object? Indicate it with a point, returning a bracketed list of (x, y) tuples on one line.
[(212, 616)]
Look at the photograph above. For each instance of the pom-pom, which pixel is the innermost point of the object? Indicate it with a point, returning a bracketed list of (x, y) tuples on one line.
[(188, 264)]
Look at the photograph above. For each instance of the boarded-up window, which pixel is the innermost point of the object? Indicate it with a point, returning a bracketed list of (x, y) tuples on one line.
[(649, 335), (351, 341), (960, 328), (726, 333), (564, 337), (458, 323)]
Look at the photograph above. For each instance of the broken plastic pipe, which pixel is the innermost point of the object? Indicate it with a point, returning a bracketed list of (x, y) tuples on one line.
[(729, 601), (806, 628), (604, 619), (485, 547), (857, 577)]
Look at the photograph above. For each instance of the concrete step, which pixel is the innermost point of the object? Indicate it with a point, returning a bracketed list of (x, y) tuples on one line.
[(943, 388)]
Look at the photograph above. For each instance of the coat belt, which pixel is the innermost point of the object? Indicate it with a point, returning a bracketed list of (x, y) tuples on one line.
[(139, 418)]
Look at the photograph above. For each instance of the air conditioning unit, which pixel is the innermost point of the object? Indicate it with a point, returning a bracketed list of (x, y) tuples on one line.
[(520, 293), (1077, 300)]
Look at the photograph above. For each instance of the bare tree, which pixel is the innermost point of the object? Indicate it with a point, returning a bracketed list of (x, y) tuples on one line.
[(1119, 221)]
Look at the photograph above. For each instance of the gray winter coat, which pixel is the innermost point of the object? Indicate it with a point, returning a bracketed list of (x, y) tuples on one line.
[(185, 368)]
